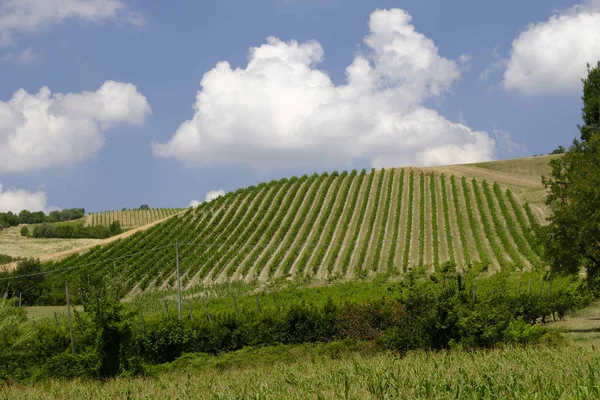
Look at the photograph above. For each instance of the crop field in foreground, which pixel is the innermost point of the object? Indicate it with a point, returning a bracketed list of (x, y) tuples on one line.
[(334, 372), (327, 226), (130, 219)]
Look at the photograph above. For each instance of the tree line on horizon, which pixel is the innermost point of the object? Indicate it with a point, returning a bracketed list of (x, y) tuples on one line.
[(8, 219)]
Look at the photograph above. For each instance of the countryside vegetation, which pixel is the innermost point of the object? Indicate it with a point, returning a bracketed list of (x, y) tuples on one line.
[(466, 281)]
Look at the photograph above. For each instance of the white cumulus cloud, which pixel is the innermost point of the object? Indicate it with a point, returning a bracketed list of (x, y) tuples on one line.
[(551, 56), (210, 196), (32, 15), (213, 194), (16, 200), (282, 111), (42, 130)]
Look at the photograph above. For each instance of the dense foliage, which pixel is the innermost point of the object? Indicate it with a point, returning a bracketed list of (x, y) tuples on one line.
[(434, 312), (27, 217), (73, 231), (571, 238)]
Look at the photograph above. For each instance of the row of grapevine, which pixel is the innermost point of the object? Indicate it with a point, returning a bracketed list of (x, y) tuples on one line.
[(515, 228), (421, 217), (130, 219), (331, 224), (347, 218), (360, 217), (326, 232), (370, 225), (407, 243), (434, 222), (391, 260), (473, 221), (384, 222)]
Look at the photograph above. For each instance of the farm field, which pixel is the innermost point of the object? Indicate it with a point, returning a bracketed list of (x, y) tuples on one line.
[(346, 371), (130, 219), (15, 245), (328, 226)]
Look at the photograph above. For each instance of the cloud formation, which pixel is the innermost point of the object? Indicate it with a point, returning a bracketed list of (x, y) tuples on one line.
[(281, 111), (210, 196), (213, 194), (16, 200), (19, 16), (43, 130), (551, 56)]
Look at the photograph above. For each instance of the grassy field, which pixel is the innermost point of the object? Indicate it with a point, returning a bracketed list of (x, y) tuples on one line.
[(567, 368), (15, 245), (334, 372)]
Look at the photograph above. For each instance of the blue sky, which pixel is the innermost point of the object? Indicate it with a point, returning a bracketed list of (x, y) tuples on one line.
[(433, 82)]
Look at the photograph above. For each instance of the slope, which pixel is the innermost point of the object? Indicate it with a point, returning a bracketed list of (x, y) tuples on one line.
[(330, 225)]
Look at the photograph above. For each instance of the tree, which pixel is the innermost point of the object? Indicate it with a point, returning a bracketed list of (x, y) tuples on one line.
[(591, 103), (11, 318), (144, 207), (24, 231), (112, 323), (29, 281), (559, 150), (571, 240), (114, 228)]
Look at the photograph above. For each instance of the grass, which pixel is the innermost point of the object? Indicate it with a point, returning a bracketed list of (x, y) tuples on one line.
[(15, 245), (41, 312), (350, 371)]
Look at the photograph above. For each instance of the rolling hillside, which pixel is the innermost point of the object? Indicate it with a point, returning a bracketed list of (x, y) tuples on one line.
[(130, 219), (337, 225)]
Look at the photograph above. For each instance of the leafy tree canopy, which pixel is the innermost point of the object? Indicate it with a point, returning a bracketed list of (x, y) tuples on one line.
[(572, 238)]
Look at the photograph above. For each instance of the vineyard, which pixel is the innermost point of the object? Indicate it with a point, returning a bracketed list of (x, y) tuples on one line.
[(338, 225), (130, 219)]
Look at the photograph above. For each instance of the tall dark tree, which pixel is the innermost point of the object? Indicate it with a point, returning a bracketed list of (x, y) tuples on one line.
[(29, 281), (591, 103), (572, 238)]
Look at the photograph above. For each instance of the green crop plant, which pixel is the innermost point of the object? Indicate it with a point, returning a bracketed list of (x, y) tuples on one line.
[(326, 215), (391, 267), (307, 250), (362, 255), (487, 228), (349, 212), (421, 217), (328, 235), (356, 231), (411, 191), (434, 222), (517, 235), (473, 221), (446, 207), (384, 222)]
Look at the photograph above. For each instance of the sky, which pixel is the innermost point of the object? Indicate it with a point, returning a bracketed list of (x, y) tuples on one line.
[(106, 104)]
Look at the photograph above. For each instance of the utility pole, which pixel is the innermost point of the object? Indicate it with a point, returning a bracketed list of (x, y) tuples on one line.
[(178, 280), (69, 315)]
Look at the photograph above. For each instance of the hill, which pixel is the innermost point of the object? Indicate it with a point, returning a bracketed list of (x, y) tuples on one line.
[(17, 246), (333, 225), (130, 219)]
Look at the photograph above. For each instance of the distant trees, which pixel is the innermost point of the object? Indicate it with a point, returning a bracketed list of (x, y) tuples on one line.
[(559, 150), (75, 231), (8, 219), (144, 207), (571, 240)]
